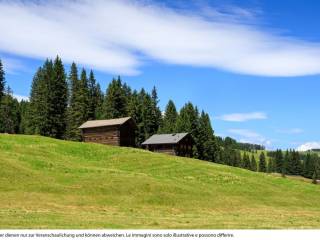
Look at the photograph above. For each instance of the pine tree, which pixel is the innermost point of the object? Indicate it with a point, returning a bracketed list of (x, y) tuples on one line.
[(9, 113), (115, 103), (57, 100), (147, 114), (246, 162), (262, 163), (99, 102), (23, 110), (2, 81), (95, 98), (253, 164), (188, 121), (169, 119), (135, 111), (79, 103), (83, 97), (156, 112), (279, 161), (40, 101), (207, 146)]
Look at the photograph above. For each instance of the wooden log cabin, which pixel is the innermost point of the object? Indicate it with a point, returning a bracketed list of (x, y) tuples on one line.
[(117, 132), (179, 144)]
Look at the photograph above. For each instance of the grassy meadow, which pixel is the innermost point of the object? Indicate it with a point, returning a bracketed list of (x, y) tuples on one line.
[(48, 183)]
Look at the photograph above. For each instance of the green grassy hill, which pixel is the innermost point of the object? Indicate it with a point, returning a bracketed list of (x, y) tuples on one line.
[(47, 183)]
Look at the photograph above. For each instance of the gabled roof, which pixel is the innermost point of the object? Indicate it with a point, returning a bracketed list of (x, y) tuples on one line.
[(104, 123), (165, 138)]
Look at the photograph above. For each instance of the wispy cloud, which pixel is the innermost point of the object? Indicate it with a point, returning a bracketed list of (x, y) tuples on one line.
[(291, 131), (12, 65), (242, 117), (308, 146), (119, 36), (249, 136)]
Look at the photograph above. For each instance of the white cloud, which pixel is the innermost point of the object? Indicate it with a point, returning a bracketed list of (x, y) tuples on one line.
[(20, 98), (249, 136), (242, 117), (308, 146), (12, 65), (291, 131), (118, 36)]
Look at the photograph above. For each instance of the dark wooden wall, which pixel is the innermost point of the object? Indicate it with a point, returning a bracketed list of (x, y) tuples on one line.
[(109, 135), (121, 135), (183, 148), (127, 134), (162, 148)]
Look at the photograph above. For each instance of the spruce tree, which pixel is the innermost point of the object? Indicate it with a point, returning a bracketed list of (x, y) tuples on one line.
[(207, 146), (2, 81), (95, 98), (9, 113), (188, 121), (24, 119), (79, 103), (58, 100), (169, 119), (99, 102), (156, 112), (279, 161), (253, 164), (246, 161), (262, 162), (147, 114), (41, 101), (37, 109), (135, 111), (115, 103)]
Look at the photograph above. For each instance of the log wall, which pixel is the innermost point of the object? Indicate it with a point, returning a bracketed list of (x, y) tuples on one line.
[(105, 135)]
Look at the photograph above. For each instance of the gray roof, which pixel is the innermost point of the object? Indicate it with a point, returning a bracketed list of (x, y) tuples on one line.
[(165, 138), (103, 123)]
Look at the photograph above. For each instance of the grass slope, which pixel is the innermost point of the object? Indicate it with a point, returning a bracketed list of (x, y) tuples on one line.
[(47, 183)]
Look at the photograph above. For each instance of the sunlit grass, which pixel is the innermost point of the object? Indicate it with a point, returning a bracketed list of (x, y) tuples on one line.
[(47, 183)]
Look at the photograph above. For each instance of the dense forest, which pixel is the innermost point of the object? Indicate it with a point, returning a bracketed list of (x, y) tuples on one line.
[(60, 102)]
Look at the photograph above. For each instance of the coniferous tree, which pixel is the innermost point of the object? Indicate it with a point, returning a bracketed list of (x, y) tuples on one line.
[(99, 102), (57, 100), (83, 97), (156, 112), (296, 163), (115, 103), (135, 111), (278, 161), (79, 103), (253, 164), (23, 110), (208, 148), (188, 121), (48, 101), (169, 119), (2, 81), (9, 113), (147, 114), (38, 114), (246, 161), (95, 98), (262, 163)]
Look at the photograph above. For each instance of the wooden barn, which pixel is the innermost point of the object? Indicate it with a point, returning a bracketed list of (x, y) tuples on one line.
[(117, 132), (179, 144)]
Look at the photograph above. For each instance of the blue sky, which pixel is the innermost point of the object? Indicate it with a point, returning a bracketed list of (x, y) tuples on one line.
[(253, 65)]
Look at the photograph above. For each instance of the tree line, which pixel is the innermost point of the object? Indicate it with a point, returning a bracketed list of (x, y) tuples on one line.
[(60, 102)]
